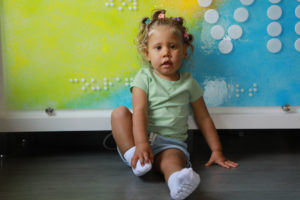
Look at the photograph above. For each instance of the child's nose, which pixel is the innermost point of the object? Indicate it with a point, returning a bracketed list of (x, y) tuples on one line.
[(166, 52)]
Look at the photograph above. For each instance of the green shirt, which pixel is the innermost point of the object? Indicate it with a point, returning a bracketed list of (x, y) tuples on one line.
[(168, 102)]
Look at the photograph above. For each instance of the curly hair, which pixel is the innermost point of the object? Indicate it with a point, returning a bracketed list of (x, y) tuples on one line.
[(148, 24)]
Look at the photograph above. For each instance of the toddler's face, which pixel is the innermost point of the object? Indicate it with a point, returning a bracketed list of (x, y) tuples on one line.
[(165, 51)]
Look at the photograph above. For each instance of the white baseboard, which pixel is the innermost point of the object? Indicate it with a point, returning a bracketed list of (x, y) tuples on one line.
[(96, 120)]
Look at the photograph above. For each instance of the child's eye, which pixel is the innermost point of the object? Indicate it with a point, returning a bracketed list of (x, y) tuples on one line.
[(173, 46), (158, 47)]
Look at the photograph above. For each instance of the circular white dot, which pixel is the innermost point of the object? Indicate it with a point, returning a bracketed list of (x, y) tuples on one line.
[(297, 11), (105, 88), (120, 8), (297, 44), (126, 79), (235, 31), (117, 79), (129, 8), (250, 89), (297, 28), (211, 16), (274, 1), (87, 84), (204, 3), (274, 12), (237, 85), (274, 45), (237, 95), (135, 3), (274, 29), (217, 32), (225, 46), (75, 80), (71, 80), (126, 84), (93, 88), (110, 83), (82, 88), (254, 89), (237, 90), (254, 84), (112, 4), (92, 80), (134, 8), (106, 4), (105, 79), (242, 90), (124, 4), (105, 83), (247, 2), (250, 94), (241, 14)]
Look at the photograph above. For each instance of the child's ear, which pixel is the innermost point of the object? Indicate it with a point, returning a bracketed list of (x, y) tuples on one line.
[(146, 53), (185, 46)]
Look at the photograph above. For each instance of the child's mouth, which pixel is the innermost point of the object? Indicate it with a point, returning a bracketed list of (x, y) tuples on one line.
[(167, 63)]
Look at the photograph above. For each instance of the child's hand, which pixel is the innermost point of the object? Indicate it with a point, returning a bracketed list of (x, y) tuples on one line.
[(218, 158), (143, 152)]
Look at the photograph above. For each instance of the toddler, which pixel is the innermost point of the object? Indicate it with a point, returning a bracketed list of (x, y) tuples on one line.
[(156, 131)]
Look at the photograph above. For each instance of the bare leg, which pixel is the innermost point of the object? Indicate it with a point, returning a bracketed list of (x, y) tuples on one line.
[(121, 123), (181, 181), (170, 161)]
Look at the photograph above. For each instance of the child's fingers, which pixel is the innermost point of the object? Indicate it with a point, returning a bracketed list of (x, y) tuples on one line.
[(151, 158), (232, 164), (223, 164), (134, 161), (142, 160), (209, 163)]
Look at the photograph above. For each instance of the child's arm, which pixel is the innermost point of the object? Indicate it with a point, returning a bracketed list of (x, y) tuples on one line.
[(143, 150), (209, 132)]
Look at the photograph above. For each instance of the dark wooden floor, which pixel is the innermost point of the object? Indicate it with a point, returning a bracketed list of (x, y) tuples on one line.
[(39, 169)]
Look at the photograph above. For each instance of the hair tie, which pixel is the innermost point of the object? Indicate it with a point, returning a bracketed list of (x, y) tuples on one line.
[(186, 35), (147, 21), (177, 19), (161, 16)]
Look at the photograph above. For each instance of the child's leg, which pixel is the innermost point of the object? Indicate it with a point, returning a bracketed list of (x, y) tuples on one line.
[(181, 181), (121, 122)]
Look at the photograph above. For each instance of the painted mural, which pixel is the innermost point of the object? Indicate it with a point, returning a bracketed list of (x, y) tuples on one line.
[(74, 54)]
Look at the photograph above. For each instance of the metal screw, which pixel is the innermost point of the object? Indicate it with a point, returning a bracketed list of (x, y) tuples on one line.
[(50, 111), (286, 108)]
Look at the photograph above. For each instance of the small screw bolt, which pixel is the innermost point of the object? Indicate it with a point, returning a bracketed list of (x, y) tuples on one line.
[(50, 111), (286, 108)]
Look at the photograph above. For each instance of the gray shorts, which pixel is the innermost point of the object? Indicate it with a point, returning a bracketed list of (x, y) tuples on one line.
[(159, 143)]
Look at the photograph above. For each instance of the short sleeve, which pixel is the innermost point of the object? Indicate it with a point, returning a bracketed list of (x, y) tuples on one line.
[(196, 91), (141, 81)]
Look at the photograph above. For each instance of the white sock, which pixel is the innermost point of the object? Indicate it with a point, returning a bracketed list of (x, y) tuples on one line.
[(139, 170), (182, 183)]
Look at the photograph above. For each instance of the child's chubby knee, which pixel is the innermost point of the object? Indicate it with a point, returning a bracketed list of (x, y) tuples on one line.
[(120, 112)]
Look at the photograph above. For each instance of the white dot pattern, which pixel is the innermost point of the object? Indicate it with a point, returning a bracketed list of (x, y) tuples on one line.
[(241, 14)]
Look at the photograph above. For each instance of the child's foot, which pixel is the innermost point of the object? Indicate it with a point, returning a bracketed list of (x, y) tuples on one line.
[(139, 170), (183, 183)]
